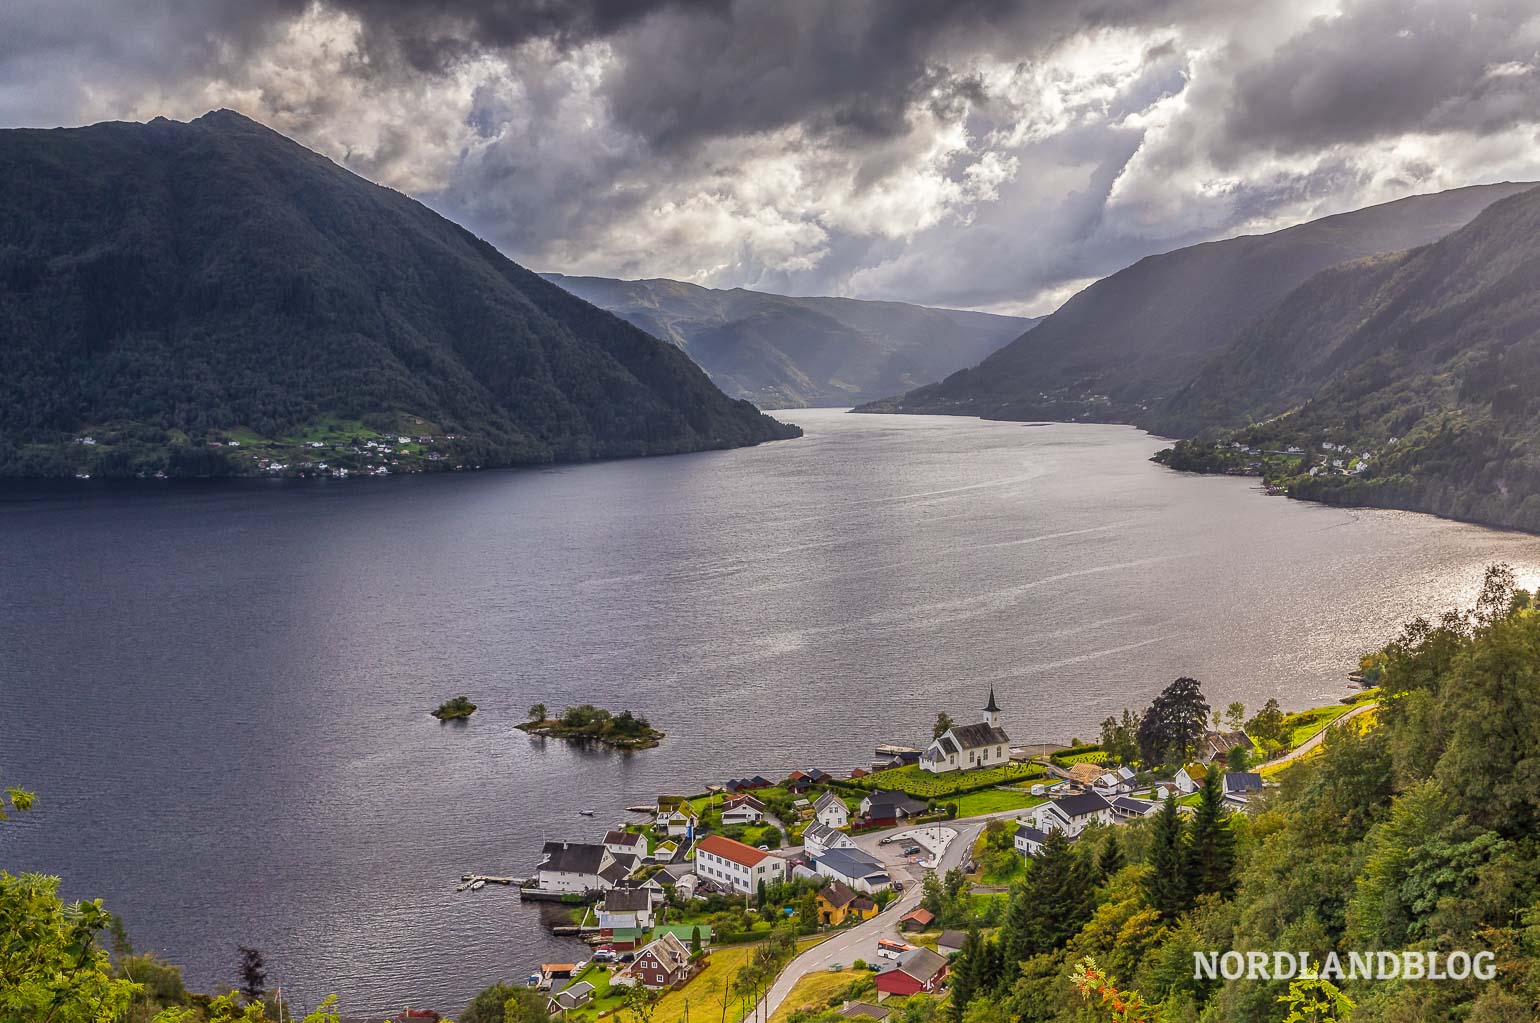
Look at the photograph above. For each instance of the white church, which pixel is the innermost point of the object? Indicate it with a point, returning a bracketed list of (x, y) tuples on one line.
[(963, 747)]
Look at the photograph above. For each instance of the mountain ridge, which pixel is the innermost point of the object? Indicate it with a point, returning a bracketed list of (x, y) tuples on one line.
[(173, 287), (1129, 341), (782, 351)]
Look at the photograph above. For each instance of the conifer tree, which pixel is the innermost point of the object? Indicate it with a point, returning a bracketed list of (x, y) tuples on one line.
[(1211, 845), (1111, 859), (1166, 884), (1049, 906)]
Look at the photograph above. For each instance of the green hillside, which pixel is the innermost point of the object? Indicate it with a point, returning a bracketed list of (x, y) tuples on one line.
[(1117, 349), (168, 288)]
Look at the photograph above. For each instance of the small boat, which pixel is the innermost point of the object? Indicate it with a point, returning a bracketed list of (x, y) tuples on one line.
[(585, 813), (476, 886)]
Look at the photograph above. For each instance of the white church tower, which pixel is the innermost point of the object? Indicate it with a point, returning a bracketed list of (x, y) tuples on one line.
[(991, 712)]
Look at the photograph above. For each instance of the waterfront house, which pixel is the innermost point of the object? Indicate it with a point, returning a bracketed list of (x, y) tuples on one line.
[(1217, 745), (917, 971), (574, 997), (1190, 778), (660, 964), (917, 920), (626, 843), (625, 917), (838, 902), (951, 942), (1029, 840), (964, 747), (856, 868), (735, 866), (884, 808), (676, 817), (831, 811), (577, 867), (1114, 782), (742, 810), (1070, 814), (818, 839)]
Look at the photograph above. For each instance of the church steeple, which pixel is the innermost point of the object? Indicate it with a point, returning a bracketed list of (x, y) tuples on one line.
[(992, 712)]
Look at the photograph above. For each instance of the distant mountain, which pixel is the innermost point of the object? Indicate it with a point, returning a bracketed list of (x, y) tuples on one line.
[(211, 297), (784, 352), (1427, 361), (1118, 348)]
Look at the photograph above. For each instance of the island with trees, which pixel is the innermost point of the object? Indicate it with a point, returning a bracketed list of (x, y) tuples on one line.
[(587, 723), (456, 709)]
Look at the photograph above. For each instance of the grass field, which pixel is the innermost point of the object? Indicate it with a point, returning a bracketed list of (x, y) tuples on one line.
[(993, 801), (815, 990)]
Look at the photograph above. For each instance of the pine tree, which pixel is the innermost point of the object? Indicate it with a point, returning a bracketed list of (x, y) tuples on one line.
[(1048, 907), (1111, 860), (966, 974), (253, 975), (1166, 884), (1211, 846)]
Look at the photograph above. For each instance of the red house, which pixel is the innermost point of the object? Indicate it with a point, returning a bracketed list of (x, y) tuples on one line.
[(918, 970)]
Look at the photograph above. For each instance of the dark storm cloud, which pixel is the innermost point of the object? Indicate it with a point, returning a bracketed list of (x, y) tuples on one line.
[(1386, 67)]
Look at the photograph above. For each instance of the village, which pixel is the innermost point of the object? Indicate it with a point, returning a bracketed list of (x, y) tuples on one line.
[(674, 901)]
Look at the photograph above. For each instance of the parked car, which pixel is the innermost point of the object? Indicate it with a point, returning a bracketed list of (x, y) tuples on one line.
[(898, 886), (911, 850), (885, 841)]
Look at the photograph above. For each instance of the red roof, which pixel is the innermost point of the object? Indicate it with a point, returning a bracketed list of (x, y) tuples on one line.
[(737, 852)]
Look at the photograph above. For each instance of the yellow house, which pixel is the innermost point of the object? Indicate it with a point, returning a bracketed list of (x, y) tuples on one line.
[(839, 902)]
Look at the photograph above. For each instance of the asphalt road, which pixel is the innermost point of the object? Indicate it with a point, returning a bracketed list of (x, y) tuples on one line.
[(860, 941)]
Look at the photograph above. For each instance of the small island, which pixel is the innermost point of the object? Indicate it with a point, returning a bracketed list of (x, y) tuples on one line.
[(587, 723), (456, 709)]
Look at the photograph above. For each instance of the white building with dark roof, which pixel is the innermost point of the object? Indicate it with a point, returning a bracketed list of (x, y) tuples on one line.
[(1071, 814), (574, 867), (964, 747)]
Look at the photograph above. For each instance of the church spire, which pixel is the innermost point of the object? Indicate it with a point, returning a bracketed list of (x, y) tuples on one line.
[(991, 712)]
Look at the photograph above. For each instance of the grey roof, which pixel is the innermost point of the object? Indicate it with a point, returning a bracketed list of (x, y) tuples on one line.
[(1031, 834), (572, 857), (627, 900), (1081, 805), (838, 893), (952, 939), (948, 745), (1139, 806), (821, 833), (828, 799), (852, 863), (979, 735), (1243, 781), (920, 963), (893, 800), (876, 1012), (623, 838), (616, 872)]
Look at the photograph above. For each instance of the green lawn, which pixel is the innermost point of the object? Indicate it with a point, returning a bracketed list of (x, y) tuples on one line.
[(972, 804), (1303, 724)]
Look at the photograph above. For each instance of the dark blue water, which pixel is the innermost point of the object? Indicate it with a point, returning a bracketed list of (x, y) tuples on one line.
[(220, 692)]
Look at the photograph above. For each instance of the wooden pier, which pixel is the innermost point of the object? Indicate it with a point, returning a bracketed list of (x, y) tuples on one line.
[(466, 880)]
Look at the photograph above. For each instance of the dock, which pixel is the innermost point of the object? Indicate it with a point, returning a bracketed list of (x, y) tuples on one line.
[(466, 880)]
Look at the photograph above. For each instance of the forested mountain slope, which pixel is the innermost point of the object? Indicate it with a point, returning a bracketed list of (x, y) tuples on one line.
[(167, 289), (782, 352), (1427, 361), (1118, 348)]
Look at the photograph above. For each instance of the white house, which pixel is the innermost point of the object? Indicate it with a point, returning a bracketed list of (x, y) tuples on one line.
[(742, 810), (963, 747), (678, 819), (1071, 814), (626, 909), (855, 868), (1240, 787), (1029, 840), (1131, 809), (574, 867), (1114, 783), (1190, 778), (735, 866), (819, 838), (831, 811), (626, 843)]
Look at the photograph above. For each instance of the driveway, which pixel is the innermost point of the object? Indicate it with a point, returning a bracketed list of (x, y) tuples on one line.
[(1309, 745)]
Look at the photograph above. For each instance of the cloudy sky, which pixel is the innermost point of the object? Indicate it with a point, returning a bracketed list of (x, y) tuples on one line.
[(965, 153)]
